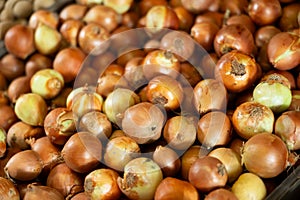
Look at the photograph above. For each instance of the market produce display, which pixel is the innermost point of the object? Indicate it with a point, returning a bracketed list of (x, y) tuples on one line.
[(148, 99)]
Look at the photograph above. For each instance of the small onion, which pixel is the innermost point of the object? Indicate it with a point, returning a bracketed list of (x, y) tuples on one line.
[(141, 178), (119, 151), (249, 186), (180, 132), (8, 190), (287, 127), (220, 194), (65, 180), (276, 96), (97, 123), (251, 118), (175, 189), (117, 102), (102, 184), (82, 152), (265, 154), (231, 161), (35, 192), (208, 173), (167, 159), (143, 122), (24, 166)]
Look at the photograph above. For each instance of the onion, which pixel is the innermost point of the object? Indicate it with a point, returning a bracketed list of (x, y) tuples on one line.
[(65, 180), (249, 186), (82, 152), (180, 132), (167, 159), (220, 194), (231, 161), (141, 178), (35, 192), (251, 118), (119, 151), (214, 129), (24, 166), (266, 155), (8, 190), (173, 188), (102, 184), (117, 102), (143, 122), (287, 127), (208, 173)]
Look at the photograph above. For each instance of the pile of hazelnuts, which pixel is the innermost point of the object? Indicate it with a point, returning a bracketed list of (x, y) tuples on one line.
[(149, 99)]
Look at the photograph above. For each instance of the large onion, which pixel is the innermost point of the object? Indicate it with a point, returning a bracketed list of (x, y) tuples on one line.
[(265, 154)]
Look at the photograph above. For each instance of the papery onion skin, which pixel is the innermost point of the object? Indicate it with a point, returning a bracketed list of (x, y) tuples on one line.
[(175, 189), (35, 192), (266, 155), (141, 178), (287, 127), (220, 194)]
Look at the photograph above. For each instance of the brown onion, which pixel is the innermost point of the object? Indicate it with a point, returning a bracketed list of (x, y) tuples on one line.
[(242, 19), (65, 180), (73, 11), (234, 36), (265, 154), (8, 116), (11, 66), (167, 159), (252, 118), (20, 132), (208, 173), (48, 152), (180, 132), (214, 129), (102, 184), (82, 152), (165, 91), (59, 125), (37, 191), (143, 122), (264, 12), (19, 40), (287, 128), (97, 123), (175, 189), (221, 193), (24, 166), (8, 190), (209, 95), (17, 87), (231, 161)]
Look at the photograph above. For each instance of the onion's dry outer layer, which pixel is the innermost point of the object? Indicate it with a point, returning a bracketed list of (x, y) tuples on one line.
[(175, 189), (7, 190), (221, 194), (287, 127), (141, 178), (82, 152), (265, 154)]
